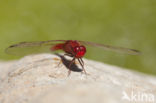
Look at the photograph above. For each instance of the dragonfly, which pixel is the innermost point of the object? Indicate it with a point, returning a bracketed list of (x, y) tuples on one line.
[(73, 48)]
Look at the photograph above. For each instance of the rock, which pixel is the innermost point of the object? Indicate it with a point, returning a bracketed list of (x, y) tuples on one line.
[(43, 78)]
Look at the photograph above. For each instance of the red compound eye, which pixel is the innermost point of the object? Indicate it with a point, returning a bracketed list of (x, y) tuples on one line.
[(80, 51)]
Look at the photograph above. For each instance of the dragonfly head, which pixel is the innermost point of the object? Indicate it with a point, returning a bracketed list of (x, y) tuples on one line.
[(79, 51)]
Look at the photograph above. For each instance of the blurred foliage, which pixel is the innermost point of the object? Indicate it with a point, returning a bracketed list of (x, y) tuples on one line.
[(125, 23)]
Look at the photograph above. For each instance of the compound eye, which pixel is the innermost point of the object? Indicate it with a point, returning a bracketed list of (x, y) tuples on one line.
[(82, 48), (76, 49), (80, 51)]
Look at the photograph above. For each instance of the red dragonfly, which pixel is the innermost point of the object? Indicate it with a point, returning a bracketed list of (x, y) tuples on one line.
[(72, 48)]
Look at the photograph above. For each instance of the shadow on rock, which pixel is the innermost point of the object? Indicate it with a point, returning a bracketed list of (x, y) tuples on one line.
[(67, 62)]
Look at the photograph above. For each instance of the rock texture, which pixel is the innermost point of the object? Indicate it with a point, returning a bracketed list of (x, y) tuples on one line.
[(43, 78)]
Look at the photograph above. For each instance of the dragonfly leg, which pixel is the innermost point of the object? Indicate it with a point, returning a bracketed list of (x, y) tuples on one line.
[(69, 71), (82, 61), (59, 63), (82, 64), (59, 60)]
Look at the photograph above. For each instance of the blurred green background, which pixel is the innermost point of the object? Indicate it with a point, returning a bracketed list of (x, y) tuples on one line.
[(125, 23)]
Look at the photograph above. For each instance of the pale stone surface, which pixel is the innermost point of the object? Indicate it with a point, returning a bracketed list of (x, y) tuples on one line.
[(39, 79)]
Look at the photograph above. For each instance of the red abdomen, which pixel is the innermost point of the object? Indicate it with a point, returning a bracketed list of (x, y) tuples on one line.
[(57, 47)]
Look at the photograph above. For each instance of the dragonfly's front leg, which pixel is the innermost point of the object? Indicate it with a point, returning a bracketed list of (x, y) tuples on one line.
[(82, 64)]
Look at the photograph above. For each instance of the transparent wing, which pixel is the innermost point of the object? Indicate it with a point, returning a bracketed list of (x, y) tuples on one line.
[(111, 48), (25, 48)]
